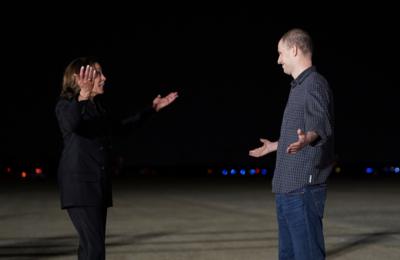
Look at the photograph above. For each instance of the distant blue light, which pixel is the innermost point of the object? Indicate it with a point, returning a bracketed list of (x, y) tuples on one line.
[(233, 172), (252, 171), (369, 170), (397, 169), (264, 172), (225, 172), (243, 172)]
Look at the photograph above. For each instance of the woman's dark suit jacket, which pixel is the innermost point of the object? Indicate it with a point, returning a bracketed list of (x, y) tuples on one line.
[(83, 175)]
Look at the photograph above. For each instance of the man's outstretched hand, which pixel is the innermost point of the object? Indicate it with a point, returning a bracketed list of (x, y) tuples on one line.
[(297, 146), (266, 148)]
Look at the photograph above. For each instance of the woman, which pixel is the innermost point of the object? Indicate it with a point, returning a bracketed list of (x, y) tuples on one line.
[(83, 175)]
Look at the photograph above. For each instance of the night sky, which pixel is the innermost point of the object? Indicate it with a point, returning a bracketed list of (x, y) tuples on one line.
[(221, 60)]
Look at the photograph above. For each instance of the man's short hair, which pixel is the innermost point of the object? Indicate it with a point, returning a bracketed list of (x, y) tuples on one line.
[(299, 38)]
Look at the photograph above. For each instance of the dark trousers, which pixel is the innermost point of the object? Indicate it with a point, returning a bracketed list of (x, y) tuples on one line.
[(90, 222), (300, 216)]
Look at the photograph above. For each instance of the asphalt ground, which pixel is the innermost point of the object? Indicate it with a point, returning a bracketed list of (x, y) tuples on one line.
[(205, 218)]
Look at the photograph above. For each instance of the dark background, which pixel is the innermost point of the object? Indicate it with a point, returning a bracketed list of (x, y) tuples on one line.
[(221, 60)]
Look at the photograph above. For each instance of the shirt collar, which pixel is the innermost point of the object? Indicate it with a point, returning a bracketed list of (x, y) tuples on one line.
[(302, 76)]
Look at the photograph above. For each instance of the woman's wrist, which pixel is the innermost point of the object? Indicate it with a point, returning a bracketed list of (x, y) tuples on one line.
[(84, 95)]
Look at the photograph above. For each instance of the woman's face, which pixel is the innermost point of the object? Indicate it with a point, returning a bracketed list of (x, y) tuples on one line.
[(99, 80)]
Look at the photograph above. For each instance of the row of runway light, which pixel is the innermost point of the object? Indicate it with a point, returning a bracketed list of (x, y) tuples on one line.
[(38, 172), (238, 171), (34, 172), (388, 170)]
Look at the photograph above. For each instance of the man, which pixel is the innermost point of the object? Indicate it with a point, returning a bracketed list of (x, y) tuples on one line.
[(304, 152)]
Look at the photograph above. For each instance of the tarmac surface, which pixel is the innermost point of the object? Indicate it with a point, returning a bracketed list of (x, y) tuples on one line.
[(204, 218)]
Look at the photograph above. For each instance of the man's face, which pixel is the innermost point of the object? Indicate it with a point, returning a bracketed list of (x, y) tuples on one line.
[(285, 57)]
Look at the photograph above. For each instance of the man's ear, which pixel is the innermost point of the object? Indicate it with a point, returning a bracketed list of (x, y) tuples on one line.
[(294, 50)]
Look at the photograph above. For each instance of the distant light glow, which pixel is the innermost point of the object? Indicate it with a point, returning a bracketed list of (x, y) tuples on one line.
[(338, 170), (369, 170), (233, 172), (397, 169), (263, 171), (24, 174), (225, 172), (252, 171), (8, 169), (38, 171), (243, 172)]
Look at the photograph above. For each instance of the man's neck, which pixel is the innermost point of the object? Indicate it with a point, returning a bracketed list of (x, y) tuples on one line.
[(302, 66)]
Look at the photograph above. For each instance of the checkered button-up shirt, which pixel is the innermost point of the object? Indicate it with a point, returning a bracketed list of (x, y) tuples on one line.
[(310, 108)]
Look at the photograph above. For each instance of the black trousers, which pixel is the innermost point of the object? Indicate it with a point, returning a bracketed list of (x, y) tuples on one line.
[(90, 222)]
